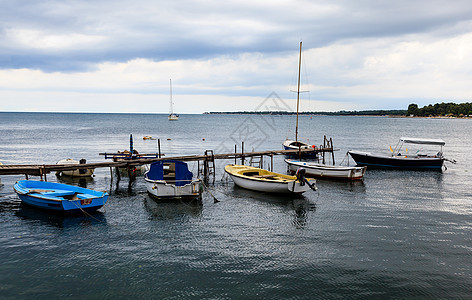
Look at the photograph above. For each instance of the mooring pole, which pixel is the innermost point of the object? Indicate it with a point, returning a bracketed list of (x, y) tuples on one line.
[(117, 170), (332, 150), (131, 144), (205, 170), (235, 151), (159, 147), (242, 153), (324, 149), (111, 175)]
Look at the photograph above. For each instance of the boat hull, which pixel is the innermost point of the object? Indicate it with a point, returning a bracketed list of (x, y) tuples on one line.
[(327, 171), (284, 186), (74, 173), (160, 189), (293, 145), (173, 117), (59, 197), (397, 162)]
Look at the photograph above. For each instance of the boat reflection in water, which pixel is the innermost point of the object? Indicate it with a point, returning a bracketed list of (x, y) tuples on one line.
[(170, 210), (26, 212), (301, 206)]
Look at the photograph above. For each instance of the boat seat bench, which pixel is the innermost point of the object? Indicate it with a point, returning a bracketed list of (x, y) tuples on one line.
[(59, 193), (85, 196)]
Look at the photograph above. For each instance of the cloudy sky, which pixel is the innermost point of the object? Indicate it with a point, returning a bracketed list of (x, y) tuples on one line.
[(118, 56)]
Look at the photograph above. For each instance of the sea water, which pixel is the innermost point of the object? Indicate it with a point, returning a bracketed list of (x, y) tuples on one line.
[(396, 234)]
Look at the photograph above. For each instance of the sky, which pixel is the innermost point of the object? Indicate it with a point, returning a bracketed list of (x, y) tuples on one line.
[(118, 56)]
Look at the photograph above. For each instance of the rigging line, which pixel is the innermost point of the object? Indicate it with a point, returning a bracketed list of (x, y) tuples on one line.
[(208, 190)]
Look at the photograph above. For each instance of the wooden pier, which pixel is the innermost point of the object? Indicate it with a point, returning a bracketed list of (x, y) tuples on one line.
[(206, 159)]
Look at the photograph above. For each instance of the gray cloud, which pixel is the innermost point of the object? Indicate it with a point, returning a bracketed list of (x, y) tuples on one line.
[(123, 30)]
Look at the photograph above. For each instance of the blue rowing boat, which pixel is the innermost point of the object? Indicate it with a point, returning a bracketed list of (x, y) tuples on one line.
[(59, 197)]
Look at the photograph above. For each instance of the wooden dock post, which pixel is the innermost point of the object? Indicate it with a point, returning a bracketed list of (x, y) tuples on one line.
[(159, 147), (131, 145), (242, 153), (209, 165), (111, 175), (332, 147), (235, 151)]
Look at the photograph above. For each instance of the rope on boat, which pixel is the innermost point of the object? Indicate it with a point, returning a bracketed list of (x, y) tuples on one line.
[(346, 156), (208, 189), (453, 161), (86, 213)]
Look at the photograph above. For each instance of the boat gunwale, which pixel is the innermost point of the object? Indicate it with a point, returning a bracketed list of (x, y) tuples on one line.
[(289, 178), (330, 167), (397, 157), (192, 182)]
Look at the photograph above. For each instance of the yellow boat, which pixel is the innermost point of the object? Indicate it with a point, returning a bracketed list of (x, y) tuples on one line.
[(261, 180)]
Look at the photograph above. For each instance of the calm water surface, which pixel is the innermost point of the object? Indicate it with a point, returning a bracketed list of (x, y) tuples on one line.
[(397, 234)]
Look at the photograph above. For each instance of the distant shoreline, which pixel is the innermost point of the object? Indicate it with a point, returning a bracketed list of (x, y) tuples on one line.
[(395, 113)]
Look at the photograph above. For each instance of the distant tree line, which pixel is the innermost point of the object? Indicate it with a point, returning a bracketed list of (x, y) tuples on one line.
[(440, 109), (337, 113)]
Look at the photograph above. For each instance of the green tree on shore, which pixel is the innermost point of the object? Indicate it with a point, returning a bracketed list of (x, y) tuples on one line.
[(440, 109)]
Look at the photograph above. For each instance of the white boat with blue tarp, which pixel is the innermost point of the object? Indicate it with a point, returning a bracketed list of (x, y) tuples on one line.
[(58, 196), (171, 179)]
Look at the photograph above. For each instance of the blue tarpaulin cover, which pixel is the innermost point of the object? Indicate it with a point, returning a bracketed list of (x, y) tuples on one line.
[(182, 175)]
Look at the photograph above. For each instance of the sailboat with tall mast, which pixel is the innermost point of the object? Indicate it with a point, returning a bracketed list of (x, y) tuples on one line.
[(316, 169), (289, 144), (172, 115)]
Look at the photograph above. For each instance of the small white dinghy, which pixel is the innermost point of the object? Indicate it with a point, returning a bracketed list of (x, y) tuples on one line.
[(74, 173), (261, 180), (314, 169)]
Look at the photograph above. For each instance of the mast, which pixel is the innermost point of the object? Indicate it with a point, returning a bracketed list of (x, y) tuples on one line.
[(171, 107), (298, 90)]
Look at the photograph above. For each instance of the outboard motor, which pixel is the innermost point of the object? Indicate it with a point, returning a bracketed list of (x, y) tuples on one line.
[(301, 177), (82, 162), (301, 172)]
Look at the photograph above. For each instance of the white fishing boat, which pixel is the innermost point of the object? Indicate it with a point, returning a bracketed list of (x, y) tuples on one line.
[(261, 180), (314, 169), (77, 172), (171, 179), (172, 115), (405, 159)]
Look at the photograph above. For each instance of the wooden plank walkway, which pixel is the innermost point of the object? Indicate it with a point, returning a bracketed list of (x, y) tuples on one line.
[(40, 170)]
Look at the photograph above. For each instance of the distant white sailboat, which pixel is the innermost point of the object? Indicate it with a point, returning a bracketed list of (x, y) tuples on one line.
[(172, 115)]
